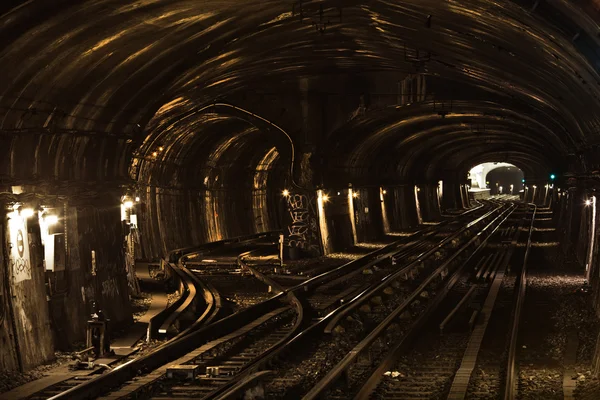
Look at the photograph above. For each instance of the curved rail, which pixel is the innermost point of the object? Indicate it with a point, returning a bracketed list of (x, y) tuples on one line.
[(176, 310), (510, 386), (160, 324), (252, 368), (207, 332)]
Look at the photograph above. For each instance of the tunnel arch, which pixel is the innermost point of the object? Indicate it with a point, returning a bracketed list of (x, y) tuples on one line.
[(212, 176)]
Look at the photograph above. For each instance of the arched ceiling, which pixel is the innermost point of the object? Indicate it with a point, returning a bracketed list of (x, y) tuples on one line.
[(95, 73)]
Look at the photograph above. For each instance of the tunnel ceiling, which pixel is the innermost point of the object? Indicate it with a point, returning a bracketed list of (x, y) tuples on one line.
[(104, 81)]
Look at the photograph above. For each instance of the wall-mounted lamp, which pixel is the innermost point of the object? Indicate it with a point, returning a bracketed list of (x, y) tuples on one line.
[(588, 202), (27, 212), (128, 204), (355, 195), (51, 220), (285, 193)]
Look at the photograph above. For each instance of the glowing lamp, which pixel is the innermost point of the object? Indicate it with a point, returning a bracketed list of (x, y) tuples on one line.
[(128, 204), (27, 213), (325, 197), (588, 202), (285, 192), (51, 220), (355, 195), (137, 199)]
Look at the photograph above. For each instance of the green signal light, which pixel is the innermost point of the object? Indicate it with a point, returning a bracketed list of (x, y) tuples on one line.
[(523, 180), (552, 176)]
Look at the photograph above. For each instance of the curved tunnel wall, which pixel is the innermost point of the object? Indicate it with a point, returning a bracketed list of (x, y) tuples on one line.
[(205, 180)]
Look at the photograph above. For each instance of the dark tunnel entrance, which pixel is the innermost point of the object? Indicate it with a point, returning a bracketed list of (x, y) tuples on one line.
[(505, 180)]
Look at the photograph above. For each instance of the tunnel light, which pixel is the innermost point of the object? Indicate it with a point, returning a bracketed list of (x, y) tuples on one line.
[(27, 212), (285, 193), (161, 148), (355, 195), (51, 220), (128, 204), (155, 154), (588, 202)]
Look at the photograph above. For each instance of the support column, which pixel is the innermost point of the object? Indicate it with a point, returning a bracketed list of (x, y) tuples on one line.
[(405, 207), (302, 236), (427, 198), (368, 214), (452, 197)]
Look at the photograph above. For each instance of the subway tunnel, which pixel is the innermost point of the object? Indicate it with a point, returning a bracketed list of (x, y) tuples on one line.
[(138, 128)]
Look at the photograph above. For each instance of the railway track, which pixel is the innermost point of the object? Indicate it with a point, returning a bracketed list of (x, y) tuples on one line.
[(382, 301), (227, 332), (441, 363)]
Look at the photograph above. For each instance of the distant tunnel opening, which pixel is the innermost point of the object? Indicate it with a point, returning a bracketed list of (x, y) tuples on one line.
[(498, 178)]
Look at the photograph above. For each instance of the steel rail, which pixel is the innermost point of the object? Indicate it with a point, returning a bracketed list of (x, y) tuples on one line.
[(182, 345), (318, 390), (510, 386)]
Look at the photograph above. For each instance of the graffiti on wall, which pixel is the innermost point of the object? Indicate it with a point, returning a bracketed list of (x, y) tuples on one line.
[(303, 227), (110, 288), (20, 263)]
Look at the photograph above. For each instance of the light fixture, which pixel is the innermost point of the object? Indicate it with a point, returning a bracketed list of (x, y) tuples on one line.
[(339, 193), (137, 199), (51, 220), (588, 202), (355, 194), (325, 197), (285, 192), (385, 192), (155, 154), (128, 204), (161, 148), (27, 212)]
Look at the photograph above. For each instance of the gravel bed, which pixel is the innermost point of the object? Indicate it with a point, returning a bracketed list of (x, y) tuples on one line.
[(12, 379), (140, 304), (293, 380)]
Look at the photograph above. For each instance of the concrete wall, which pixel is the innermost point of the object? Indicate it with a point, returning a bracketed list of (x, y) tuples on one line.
[(8, 348), (338, 219), (175, 218), (26, 305), (400, 202), (79, 281), (43, 310), (367, 209)]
